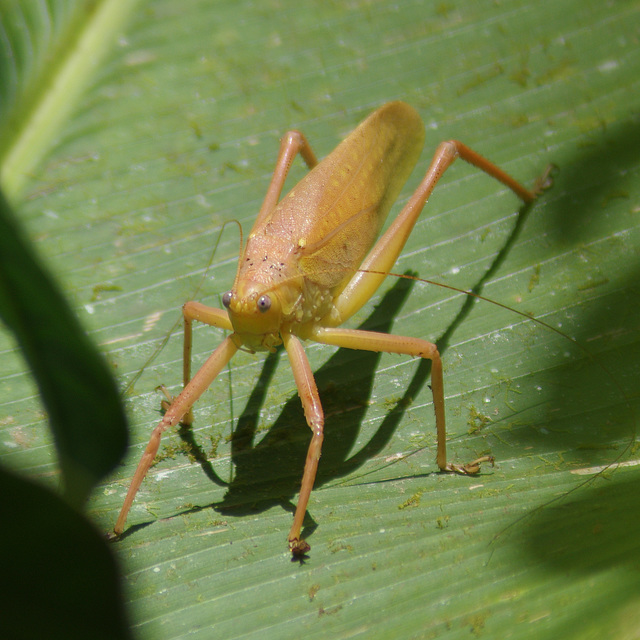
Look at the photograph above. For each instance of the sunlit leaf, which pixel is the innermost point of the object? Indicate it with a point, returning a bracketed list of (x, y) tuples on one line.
[(178, 133)]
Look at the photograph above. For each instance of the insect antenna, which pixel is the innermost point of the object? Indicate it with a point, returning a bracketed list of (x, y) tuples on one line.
[(178, 322)]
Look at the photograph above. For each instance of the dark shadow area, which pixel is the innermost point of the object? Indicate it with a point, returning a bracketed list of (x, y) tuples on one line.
[(268, 473), (595, 397), (595, 176), (59, 578), (608, 382), (591, 532), (593, 535), (593, 407)]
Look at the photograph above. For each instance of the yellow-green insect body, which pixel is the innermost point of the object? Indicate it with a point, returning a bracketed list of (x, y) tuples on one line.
[(311, 261), (302, 254)]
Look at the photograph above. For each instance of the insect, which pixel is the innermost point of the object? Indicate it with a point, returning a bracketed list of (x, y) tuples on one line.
[(311, 261)]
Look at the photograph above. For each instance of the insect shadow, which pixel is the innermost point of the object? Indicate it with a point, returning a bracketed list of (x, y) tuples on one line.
[(267, 474)]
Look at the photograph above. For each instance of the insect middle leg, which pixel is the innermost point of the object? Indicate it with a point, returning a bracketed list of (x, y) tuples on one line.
[(178, 409), (207, 315), (307, 389), (379, 342)]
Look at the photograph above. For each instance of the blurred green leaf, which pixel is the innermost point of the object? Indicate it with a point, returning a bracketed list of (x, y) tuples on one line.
[(178, 133), (58, 578), (48, 52), (77, 389)]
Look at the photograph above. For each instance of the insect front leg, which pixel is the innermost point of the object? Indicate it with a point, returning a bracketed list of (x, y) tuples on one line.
[(308, 392), (207, 315), (179, 407)]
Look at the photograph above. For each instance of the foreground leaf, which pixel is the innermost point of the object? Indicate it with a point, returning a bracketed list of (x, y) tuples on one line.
[(77, 389)]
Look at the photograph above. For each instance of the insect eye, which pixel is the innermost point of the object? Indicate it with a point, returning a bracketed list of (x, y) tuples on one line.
[(264, 303), (226, 299)]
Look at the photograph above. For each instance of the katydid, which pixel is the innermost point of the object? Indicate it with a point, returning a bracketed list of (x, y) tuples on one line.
[(311, 261)]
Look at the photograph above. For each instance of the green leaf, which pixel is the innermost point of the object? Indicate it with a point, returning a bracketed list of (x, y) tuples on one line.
[(177, 134), (58, 579)]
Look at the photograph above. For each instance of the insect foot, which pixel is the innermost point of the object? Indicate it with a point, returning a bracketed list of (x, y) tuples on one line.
[(471, 468), (298, 547)]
